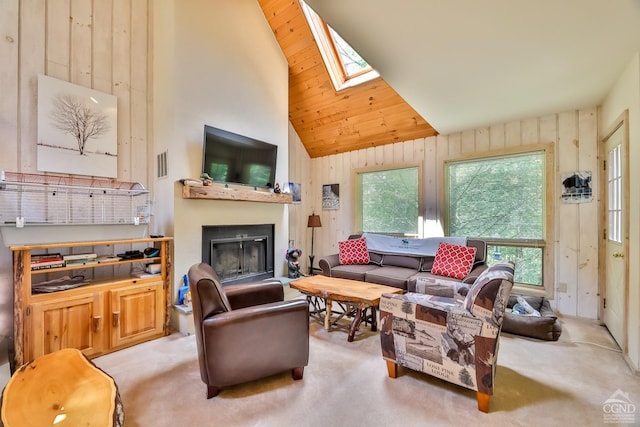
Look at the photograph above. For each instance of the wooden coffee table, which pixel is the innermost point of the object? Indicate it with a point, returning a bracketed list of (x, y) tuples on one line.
[(61, 387), (360, 295)]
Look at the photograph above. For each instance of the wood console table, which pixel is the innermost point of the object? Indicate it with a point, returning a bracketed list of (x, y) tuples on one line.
[(112, 310)]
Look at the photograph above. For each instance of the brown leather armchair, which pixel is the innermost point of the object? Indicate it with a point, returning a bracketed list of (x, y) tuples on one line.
[(246, 331)]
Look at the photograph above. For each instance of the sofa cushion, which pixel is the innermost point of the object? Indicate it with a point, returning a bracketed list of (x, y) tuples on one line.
[(428, 284), (353, 251), (390, 276), (481, 251), (426, 264), (376, 258), (406, 261), (352, 271), (453, 260)]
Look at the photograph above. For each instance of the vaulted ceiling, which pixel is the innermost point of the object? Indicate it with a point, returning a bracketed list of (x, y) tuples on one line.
[(330, 122), (458, 65)]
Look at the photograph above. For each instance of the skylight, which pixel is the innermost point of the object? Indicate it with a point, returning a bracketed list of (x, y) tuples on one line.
[(346, 67), (352, 63)]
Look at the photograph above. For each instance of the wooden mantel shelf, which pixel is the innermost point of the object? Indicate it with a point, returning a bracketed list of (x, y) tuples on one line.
[(218, 192)]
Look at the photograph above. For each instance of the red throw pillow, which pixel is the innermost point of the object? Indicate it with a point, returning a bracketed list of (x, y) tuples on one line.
[(453, 260), (354, 251)]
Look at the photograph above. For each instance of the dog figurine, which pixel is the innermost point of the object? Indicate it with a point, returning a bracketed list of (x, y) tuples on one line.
[(293, 256)]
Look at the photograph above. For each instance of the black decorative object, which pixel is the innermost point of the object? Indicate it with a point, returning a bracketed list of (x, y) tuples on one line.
[(293, 255), (313, 223)]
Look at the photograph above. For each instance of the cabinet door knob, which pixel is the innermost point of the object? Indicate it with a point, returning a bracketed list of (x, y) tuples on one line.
[(116, 319), (97, 324), (618, 255)]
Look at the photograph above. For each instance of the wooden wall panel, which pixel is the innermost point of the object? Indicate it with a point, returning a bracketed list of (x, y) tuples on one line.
[(81, 42), (497, 137), (468, 141), (483, 139), (567, 218), (140, 101), (58, 48), (427, 147), (121, 85), (548, 128), (300, 172), (32, 62), (9, 83), (103, 46), (513, 134), (530, 132), (87, 42), (9, 114), (574, 137), (587, 297)]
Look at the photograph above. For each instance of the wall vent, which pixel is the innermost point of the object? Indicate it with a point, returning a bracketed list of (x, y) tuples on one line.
[(162, 164)]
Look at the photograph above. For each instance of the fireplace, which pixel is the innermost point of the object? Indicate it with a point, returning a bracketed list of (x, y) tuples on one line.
[(239, 253)]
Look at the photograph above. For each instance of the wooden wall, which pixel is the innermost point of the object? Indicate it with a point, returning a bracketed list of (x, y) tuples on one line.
[(574, 135), (104, 45), (300, 172), (365, 115)]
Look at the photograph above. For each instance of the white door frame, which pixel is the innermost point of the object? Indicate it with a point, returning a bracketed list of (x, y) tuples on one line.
[(620, 121)]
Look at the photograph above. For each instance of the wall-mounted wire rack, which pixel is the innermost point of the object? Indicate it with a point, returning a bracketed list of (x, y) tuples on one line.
[(52, 199)]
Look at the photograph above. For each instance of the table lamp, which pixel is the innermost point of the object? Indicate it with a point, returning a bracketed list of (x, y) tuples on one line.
[(313, 223)]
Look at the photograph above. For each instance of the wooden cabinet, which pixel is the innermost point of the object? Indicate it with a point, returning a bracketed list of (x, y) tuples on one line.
[(137, 313), (115, 309), (66, 322)]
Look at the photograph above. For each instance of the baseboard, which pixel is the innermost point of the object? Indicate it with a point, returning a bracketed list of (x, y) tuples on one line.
[(634, 369)]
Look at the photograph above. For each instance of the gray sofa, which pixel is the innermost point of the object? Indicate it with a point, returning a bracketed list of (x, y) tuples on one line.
[(398, 270)]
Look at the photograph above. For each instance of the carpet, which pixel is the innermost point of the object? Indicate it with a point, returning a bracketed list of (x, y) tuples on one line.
[(346, 384)]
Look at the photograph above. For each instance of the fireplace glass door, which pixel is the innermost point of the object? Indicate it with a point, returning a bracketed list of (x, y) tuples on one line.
[(239, 257)]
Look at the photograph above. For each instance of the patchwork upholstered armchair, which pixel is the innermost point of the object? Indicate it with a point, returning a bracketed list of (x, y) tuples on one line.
[(453, 337)]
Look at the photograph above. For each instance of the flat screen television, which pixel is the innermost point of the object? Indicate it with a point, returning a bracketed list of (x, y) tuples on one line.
[(232, 158)]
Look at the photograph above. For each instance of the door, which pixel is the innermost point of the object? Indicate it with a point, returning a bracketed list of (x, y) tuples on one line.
[(66, 323), (137, 313), (615, 262)]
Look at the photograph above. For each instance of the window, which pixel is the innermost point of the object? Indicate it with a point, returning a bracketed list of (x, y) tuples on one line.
[(614, 206), (502, 199), (345, 66), (351, 62), (389, 200)]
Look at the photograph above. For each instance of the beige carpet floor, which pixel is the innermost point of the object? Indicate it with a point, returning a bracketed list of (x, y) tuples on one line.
[(538, 383)]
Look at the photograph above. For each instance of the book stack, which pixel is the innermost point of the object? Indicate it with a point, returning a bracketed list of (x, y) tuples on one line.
[(46, 261), (80, 259)]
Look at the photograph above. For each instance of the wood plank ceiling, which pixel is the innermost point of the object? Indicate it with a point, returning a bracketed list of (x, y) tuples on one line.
[(330, 122)]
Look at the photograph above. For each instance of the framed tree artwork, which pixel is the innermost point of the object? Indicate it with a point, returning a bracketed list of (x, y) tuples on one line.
[(77, 129)]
